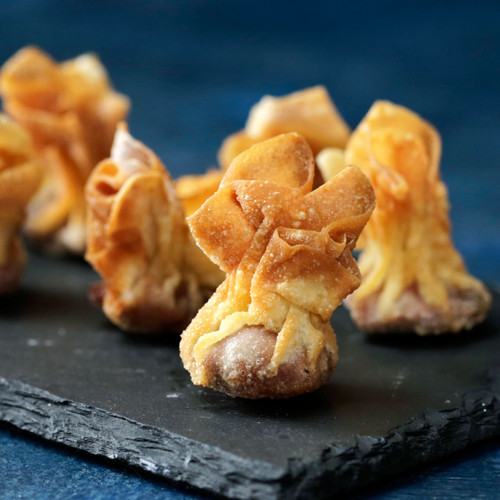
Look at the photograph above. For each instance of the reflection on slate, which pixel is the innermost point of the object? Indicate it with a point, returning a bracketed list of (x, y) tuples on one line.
[(68, 375)]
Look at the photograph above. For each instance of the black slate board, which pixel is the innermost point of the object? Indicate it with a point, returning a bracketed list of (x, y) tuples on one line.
[(68, 375)]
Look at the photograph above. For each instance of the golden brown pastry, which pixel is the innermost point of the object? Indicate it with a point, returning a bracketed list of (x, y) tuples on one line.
[(287, 254), (138, 242), (194, 190), (331, 161), (414, 280), (20, 176), (71, 113), (309, 112)]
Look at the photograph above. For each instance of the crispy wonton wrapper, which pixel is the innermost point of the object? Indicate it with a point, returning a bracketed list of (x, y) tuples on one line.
[(138, 242), (193, 191), (310, 112), (414, 280), (71, 113), (20, 176), (287, 254)]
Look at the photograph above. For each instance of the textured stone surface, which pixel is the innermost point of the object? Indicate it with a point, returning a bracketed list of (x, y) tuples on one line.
[(67, 375)]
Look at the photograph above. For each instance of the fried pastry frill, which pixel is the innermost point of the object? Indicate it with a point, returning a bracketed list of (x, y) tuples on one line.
[(138, 242), (310, 112), (71, 113), (414, 280), (20, 176), (287, 254)]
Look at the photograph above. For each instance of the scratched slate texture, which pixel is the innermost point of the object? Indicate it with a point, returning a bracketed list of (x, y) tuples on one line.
[(193, 69)]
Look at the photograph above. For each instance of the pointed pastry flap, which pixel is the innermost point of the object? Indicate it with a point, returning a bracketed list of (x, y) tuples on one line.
[(310, 112), (385, 115), (234, 145), (342, 205), (136, 203), (131, 155), (221, 229), (29, 73), (286, 160)]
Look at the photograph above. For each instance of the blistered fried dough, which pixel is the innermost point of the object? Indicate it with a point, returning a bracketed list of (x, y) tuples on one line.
[(20, 176), (138, 241), (309, 112), (287, 254), (71, 113), (414, 280)]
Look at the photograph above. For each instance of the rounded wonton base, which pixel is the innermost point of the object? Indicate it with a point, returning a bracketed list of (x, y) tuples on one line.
[(238, 366), (150, 314), (410, 314)]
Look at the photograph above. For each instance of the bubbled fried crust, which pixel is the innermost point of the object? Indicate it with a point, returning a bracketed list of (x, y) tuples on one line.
[(413, 277), (20, 177), (71, 112), (286, 250), (309, 112), (138, 242)]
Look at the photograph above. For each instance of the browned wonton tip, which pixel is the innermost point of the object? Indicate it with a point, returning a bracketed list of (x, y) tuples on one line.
[(309, 112)]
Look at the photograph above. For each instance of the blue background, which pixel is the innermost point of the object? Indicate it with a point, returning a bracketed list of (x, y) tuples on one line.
[(193, 69)]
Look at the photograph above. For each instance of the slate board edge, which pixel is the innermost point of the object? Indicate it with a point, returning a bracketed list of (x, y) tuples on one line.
[(427, 437), (430, 435), (177, 458)]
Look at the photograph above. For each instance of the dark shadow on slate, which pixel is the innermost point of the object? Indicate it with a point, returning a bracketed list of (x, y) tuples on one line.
[(128, 398)]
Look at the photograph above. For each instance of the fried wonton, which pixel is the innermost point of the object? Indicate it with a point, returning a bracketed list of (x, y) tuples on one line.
[(287, 253), (310, 112), (71, 113), (138, 241), (414, 280), (20, 176)]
